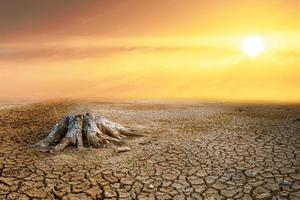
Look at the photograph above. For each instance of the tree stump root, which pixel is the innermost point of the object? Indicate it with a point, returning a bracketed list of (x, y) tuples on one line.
[(84, 129)]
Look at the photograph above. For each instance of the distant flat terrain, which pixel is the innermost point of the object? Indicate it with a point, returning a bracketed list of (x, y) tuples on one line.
[(188, 151), (13, 103)]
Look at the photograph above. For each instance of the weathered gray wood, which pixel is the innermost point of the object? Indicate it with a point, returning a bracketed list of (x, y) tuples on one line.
[(113, 129), (56, 134), (97, 131), (92, 132), (75, 130), (74, 133)]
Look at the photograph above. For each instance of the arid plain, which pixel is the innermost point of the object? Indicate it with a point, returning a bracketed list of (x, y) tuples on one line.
[(189, 151)]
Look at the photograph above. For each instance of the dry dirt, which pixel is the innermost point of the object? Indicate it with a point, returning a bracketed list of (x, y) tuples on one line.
[(190, 151)]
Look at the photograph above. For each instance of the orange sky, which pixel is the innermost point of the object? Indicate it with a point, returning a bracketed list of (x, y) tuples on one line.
[(140, 49)]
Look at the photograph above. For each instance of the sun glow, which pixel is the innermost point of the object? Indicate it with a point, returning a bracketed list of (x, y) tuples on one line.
[(253, 46)]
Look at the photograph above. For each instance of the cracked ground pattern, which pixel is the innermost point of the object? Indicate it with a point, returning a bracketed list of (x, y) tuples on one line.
[(189, 151)]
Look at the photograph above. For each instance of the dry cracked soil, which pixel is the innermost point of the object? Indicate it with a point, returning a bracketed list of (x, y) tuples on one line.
[(188, 151)]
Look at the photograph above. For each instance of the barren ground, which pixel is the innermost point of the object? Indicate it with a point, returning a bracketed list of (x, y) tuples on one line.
[(190, 151)]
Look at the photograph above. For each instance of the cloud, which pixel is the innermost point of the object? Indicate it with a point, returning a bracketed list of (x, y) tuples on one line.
[(44, 20), (74, 53)]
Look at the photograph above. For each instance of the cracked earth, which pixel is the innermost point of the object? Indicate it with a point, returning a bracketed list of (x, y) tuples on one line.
[(189, 151)]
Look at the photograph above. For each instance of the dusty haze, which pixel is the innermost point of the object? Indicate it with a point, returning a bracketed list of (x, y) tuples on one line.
[(148, 50)]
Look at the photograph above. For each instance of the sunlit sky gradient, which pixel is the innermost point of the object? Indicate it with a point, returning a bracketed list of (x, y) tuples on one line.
[(149, 49)]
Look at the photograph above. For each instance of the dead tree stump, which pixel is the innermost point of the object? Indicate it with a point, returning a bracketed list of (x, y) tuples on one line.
[(84, 129)]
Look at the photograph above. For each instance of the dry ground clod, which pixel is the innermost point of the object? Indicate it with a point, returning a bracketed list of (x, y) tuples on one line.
[(192, 151)]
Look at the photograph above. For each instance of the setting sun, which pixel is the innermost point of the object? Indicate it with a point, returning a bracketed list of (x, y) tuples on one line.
[(253, 46)]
